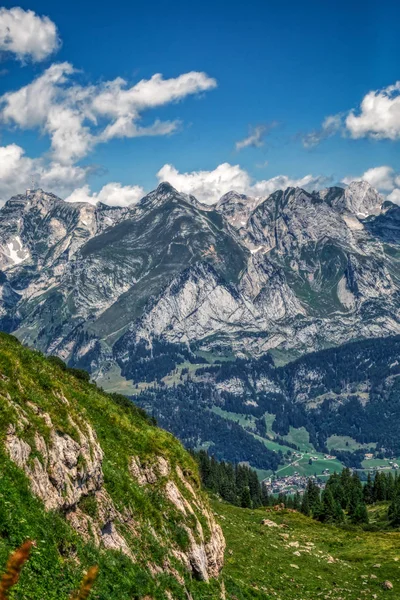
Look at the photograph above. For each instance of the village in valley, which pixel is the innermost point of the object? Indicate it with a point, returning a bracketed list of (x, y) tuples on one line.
[(296, 481)]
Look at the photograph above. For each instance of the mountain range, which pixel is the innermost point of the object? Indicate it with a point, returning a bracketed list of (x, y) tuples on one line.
[(291, 273)]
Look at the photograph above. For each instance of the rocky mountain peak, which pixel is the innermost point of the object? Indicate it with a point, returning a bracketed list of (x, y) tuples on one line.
[(361, 199), (165, 189), (236, 207), (37, 198), (163, 193)]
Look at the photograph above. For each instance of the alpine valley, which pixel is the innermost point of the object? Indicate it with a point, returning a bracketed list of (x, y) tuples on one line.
[(245, 325)]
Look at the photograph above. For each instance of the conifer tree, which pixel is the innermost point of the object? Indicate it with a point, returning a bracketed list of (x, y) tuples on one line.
[(245, 500), (305, 505), (394, 510)]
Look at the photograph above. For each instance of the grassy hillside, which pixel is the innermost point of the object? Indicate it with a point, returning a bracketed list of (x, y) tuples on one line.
[(40, 400), (304, 559), (42, 404)]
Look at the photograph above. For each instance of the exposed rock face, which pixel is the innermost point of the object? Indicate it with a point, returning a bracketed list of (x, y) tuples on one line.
[(237, 208), (205, 554), (295, 270), (64, 472), (360, 199)]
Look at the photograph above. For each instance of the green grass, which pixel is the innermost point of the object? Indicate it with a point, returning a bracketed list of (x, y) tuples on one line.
[(373, 463), (300, 437), (303, 467), (259, 559), (246, 421), (269, 419), (28, 383), (346, 443)]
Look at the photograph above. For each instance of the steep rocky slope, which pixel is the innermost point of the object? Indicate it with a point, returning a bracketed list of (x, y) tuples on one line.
[(115, 488), (295, 272)]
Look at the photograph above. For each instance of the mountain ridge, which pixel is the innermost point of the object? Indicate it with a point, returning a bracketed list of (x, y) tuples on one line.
[(307, 270)]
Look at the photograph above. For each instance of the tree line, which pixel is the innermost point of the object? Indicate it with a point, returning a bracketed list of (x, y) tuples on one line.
[(344, 499)]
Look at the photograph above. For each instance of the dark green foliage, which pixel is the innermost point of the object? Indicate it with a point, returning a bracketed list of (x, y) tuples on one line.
[(183, 410), (79, 374), (344, 497), (55, 360), (394, 510), (330, 510), (245, 500), (360, 514), (32, 385), (152, 363), (237, 485), (305, 505), (186, 409)]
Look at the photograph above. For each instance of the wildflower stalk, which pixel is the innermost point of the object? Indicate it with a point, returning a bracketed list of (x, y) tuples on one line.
[(86, 584), (13, 568)]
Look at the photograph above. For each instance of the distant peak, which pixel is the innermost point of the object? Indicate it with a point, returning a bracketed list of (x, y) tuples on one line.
[(362, 199), (166, 188), (232, 195)]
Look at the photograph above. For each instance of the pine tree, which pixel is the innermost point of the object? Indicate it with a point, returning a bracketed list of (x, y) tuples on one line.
[(368, 491), (297, 501), (305, 505), (390, 487), (394, 511), (245, 501), (360, 514), (327, 512), (379, 487), (314, 498), (265, 498)]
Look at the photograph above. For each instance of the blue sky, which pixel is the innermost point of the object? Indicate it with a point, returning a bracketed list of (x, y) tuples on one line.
[(267, 72)]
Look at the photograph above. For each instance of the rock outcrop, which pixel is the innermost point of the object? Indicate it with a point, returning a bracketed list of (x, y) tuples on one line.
[(205, 554), (64, 473)]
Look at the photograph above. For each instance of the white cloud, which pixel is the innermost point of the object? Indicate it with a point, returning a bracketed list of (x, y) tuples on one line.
[(77, 117), (115, 100), (125, 127), (281, 182), (395, 196), (18, 170), (255, 139), (256, 136), (60, 178), (27, 35), (379, 115), (113, 194), (330, 126), (209, 186), (383, 178), (378, 118)]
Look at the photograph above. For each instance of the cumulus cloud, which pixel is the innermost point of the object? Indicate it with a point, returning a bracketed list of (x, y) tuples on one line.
[(379, 115), (77, 117), (395, 196), (17, 171), (384, 178), (113, 194), (209, 186), (26, 35)]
